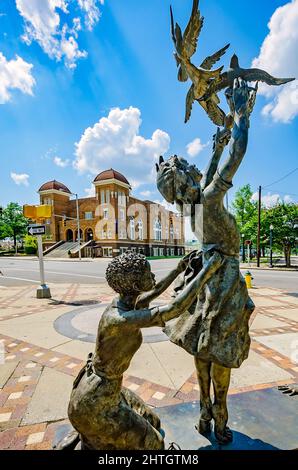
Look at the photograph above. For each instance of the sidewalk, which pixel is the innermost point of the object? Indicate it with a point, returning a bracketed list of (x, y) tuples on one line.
[(46, 343)]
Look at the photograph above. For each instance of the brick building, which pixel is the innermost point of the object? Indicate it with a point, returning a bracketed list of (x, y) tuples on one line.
[(112, 221)]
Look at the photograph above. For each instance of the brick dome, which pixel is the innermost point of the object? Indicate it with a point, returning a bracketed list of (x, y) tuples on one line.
[(50, 185), (111, 174)]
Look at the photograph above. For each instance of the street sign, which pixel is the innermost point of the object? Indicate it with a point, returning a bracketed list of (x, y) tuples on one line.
[(36, 230), (38, 212), (248, 242)]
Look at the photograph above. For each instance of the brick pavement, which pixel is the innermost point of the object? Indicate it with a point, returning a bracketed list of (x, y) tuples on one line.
[(30, 359)]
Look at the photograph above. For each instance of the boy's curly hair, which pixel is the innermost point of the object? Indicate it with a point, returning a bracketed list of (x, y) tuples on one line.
[(125, 272)]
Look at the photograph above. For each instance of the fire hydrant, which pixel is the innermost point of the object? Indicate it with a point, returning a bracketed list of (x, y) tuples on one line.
[(248, 279)]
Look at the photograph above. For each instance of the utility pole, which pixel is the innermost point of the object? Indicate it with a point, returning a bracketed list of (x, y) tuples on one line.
[(259, 227)]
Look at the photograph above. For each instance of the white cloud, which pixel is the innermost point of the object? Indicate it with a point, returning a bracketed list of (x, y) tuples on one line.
[(278, 56), (62, 163), (90, 191), (21, 178), (15, 74), (146, 193), (288, 199), (114, 141), (271, 200), (44, 23), (166, 205), (92, 13), (195, 147)]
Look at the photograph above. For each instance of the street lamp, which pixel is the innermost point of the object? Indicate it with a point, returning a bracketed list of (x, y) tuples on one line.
[(243, 248), (271, 239)]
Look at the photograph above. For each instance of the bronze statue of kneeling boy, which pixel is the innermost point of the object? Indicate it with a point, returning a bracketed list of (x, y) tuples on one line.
[(105, 415)]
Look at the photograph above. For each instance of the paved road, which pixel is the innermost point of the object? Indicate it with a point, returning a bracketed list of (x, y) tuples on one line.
[(21, 271)]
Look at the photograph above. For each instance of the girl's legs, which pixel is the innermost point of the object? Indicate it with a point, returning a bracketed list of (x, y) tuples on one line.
[(204, 378), (221, 380)]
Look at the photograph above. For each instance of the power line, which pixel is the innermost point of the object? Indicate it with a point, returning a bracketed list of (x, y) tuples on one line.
[(281, 179)]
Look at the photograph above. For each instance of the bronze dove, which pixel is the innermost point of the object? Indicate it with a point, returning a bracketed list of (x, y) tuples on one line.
[(249, 75), (202, 77)]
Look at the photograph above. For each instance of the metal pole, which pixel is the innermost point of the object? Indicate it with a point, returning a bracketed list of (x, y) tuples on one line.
[(40, 259), (271, 239), (259, 227), (79, 230), (43, 292), (243, 249)]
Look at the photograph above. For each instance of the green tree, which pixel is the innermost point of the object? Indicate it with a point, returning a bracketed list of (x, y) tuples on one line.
[(4, 229), (284, 219), (13, 222), (246, 213)]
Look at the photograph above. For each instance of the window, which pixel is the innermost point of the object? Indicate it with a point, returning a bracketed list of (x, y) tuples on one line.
[(103, 234), (122, 234), (141, 230), (105, 214), (107, 252), (171, 232), (48, 201), (121, 198), (122, 214), (122, 250), (102, 196), (157, 230), (88, 215), (107, 196), (161, 252), (109, 233), (172, 252), (132, 229), (155, 251)]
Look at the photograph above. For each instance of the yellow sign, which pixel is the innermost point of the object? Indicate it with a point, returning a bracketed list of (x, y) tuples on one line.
[(44, 211), (38, 212)]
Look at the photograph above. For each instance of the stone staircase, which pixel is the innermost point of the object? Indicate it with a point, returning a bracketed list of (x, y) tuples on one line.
[(62, 250)]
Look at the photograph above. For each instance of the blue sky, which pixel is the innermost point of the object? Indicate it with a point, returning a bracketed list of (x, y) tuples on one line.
[(116, 75)]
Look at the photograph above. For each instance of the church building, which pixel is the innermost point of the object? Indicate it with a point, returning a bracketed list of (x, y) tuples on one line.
[(110, 222)]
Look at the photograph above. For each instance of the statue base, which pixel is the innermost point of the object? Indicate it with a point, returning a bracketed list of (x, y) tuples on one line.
[(260, 420)]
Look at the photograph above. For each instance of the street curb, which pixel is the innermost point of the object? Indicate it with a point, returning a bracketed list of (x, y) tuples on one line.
[(294, 270)]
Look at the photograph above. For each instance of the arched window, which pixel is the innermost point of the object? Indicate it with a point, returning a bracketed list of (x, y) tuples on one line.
[(171, 232), (157, 230), (76, 236), (141, 230), (88, 234), (132, 229), (69, 235)]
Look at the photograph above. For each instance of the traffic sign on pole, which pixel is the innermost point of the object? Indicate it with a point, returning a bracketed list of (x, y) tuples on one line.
[(36, 230), (43, 292)]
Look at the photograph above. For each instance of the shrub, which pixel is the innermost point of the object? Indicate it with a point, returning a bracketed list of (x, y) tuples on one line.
[(30, 245)]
